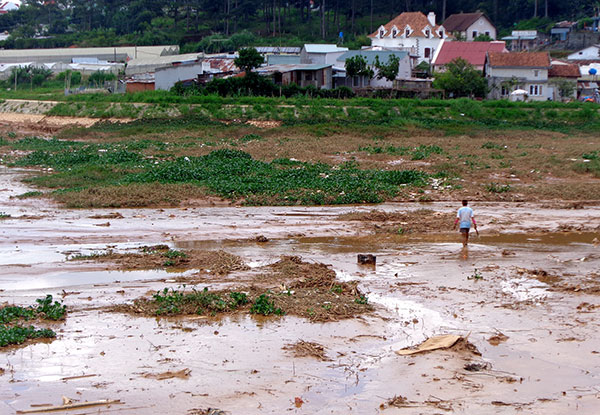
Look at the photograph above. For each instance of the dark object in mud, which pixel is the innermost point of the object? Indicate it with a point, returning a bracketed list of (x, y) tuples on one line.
[(261, 239), (367, 259), (476, 367), (207, 411)]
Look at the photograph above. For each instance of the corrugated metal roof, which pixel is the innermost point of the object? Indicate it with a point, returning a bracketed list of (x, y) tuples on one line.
[(289, 68), (472, 52), (325, 48), (369, 55), (291, 50), (164, 60)]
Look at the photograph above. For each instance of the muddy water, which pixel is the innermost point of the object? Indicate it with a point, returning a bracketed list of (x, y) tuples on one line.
[(422, 285)]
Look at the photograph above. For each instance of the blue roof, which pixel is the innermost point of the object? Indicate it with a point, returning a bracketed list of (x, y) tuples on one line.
[(282, 59), (369, 55)]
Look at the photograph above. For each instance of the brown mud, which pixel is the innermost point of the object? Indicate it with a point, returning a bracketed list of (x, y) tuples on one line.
[(532, 312)]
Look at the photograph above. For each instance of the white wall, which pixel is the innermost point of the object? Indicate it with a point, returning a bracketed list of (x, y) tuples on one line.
[(593, 52), (481, 25), (418, 43), (527, 78), (165, 78)]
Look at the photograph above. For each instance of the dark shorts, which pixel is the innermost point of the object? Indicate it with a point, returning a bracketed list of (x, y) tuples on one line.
[(464, 230)]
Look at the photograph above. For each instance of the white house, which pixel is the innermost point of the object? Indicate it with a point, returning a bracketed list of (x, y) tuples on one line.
[(590, 53), (411, 30), (528, 71), (7, 6), (404, 66), (467, 26), (320, 54)]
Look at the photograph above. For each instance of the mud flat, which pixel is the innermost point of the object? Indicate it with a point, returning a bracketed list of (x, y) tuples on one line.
[(525, 294)]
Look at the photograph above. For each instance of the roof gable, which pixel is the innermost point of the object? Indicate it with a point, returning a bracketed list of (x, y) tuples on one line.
[(472, 52), (462, 21), (519, 59), (417, 22)]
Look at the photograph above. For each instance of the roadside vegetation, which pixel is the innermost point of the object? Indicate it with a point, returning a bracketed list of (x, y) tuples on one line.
[(13, 319)]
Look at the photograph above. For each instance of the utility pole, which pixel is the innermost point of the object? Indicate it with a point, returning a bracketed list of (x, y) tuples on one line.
[(16, 73)]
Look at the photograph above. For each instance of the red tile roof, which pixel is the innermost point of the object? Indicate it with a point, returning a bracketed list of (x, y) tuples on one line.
[(417, 22), (460, 22), (519, 59), (564, 71), (472, 52)]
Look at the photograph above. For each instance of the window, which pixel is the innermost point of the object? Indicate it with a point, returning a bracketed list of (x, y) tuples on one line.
[(427, 33), (356, 81), (536, 73), (381, 33), (535, 90), (487, 33), (442, 34), (394, 33), (308, 76), (407, 33), (505, 91), (474, 34), (427, 52)]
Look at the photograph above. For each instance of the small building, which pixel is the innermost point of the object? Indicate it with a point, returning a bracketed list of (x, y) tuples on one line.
[(560, 31), (589, 53), (522, 40), (320, 54), (167, 76), (560, 72), (140, 83), (472, 52), (404, 67), (467, 26), (526, 71), (317, 75), (411, 30)]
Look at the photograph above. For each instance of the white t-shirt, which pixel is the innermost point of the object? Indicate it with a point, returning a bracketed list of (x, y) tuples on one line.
[(465, 215)]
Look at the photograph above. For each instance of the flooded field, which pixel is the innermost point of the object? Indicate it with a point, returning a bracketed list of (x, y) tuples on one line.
[(525, 295)]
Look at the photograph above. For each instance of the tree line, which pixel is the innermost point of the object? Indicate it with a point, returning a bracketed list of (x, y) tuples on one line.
[(50, 23)]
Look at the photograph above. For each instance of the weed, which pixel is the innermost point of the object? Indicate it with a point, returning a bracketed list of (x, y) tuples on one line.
[(172, 254), (18, 334), (337, 289), (265, 306), (172, 301), (250, 137), (424, 151), (362, 300), (50, 310), (476, 275), (497, 187), (4, 215), (492, 146), (27, 195)]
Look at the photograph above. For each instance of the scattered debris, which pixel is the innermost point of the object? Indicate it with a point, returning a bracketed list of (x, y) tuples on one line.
[(113, 215), (261, 239), (496, 339), (433, 343), (71, 406), (476, 367), (307, 349), (180, 374), (397, 402), (367, 259), (298, 402)]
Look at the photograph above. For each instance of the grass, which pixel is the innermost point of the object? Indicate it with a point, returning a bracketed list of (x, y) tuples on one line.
[(11, 318), (228, 173)]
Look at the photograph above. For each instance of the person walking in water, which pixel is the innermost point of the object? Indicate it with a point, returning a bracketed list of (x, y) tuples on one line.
[(465, 217)]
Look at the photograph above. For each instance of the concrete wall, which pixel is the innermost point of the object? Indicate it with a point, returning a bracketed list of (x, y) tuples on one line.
[(582, 39), (166, 78), (593, 52)]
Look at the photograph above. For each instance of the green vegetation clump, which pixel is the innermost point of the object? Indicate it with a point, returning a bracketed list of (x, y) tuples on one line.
[(497, 187), (265, 306), (12, 332), (171, 301)]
